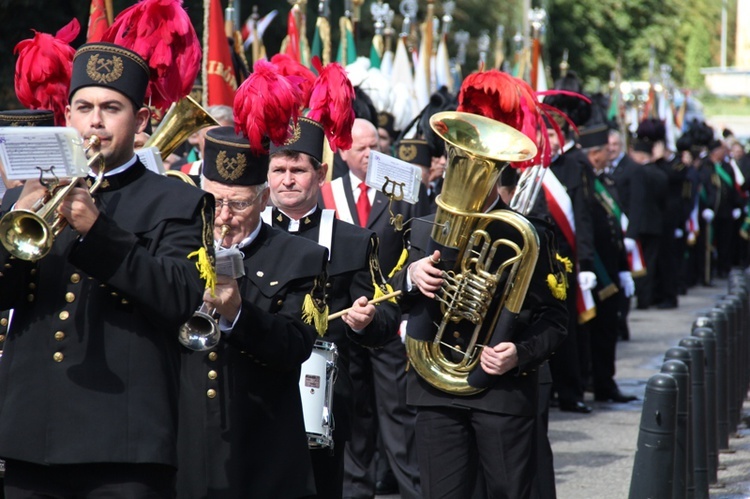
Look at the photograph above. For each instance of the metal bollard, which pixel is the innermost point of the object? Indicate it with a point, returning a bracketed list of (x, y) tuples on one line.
[(732, 359), (719, 322), (679, 371), (653, 466), (683, 355), (698, 411), (708, 338)]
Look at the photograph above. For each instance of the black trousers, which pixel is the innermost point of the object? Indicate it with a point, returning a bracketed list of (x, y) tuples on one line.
[(25, 480), (644, 285), (603, 341), (456, 445), (566, 363), (328, 467)]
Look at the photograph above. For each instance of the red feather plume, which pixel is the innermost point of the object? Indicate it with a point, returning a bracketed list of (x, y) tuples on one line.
[(331, 104), (161, 32), (44, 68), (264, 106), (295, 72), (512, 101)]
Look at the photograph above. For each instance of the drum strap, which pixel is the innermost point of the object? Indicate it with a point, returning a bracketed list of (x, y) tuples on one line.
[(325, 233)]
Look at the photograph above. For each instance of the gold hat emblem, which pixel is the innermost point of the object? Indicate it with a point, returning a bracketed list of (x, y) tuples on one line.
[(230, 168), (104, 70), (296, 133), (382, 120), (407, 152)]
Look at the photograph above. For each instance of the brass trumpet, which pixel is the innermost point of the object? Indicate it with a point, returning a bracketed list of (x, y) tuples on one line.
[(201, 332), (29, 234)]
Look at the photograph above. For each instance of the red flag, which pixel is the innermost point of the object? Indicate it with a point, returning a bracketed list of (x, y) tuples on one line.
[(99, 20), (219, 81), (292, 33)]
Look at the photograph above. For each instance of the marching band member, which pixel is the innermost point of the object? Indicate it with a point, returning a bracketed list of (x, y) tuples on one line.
[(93, 332), (242, 432), (295, 176)]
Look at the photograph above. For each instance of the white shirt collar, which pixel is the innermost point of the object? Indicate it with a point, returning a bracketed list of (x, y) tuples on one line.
[(120, 169), (294, 224), (249, 239), (355, 188)]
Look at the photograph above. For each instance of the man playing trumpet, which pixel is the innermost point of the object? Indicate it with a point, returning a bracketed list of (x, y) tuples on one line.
[(242, 432)]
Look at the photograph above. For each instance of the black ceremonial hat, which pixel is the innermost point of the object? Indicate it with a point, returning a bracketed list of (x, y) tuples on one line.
[(415, 151), (593, 136), (227, 159), (307, 137), (387, 121), (109, 65), (27, 117)]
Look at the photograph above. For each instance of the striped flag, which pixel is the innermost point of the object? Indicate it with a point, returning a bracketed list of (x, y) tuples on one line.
[(219, 79)]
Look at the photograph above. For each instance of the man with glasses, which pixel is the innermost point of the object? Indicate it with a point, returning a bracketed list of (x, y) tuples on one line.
[(242, 432)]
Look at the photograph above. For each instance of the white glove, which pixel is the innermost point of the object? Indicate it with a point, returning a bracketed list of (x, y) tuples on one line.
[(736, 213), (707, 214), (678, 233), (587, 280), (626, 283), (629, 244)]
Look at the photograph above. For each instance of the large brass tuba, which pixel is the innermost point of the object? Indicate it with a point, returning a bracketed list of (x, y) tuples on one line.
[(480, 252), (183, 118)]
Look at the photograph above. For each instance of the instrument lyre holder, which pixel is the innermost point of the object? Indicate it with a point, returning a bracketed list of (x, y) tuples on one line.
[(395, 192)]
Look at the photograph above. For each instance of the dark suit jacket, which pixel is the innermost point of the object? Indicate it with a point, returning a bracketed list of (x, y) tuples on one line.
[(539, 330), (646, 201), (94, 330), (349, 278), (242, 432)]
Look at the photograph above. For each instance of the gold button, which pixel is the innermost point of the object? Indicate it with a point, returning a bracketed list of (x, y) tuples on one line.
[(75, 278), (58, 357), (102, 285), (2, 338), (3, 322), (59, 336), (213, 356), (456, 334), (32, 285), (1, 274), (7, 265), (64, 315), (280, 302), (124, 301), (329, 284), (32, 271), (30, 298), (211, 393), (113, 293), (70, 297), (212, 374)]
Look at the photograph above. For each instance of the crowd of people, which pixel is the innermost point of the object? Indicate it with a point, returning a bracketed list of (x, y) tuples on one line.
[(99, 399)]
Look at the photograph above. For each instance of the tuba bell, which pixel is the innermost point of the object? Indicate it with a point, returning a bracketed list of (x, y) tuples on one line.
[(183, 118), (480, 252)]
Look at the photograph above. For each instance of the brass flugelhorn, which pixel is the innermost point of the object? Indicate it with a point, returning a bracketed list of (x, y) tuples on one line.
[(29, 234), (201, 332)]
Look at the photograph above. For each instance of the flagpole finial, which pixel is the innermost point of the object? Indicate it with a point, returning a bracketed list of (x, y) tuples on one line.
[(564, 66), (483, 45), (462, 41)]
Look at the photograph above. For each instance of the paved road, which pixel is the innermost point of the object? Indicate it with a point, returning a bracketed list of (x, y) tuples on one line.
[(594, 452)]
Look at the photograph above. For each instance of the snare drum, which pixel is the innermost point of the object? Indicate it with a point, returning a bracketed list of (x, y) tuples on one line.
[(316, 381)]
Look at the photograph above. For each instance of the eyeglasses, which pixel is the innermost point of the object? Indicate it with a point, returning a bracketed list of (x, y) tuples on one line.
[(234, 205)]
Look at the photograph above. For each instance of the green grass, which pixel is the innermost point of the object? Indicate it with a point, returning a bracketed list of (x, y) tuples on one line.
[(725, 106)]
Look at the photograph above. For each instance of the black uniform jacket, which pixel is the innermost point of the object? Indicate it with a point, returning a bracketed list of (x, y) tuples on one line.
[(349, 278), (537, 333), (573, 172), (90, 366), (646, 200), (242, 432)]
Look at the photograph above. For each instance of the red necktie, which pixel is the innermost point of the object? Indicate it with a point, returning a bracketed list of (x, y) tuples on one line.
[(363, 205)]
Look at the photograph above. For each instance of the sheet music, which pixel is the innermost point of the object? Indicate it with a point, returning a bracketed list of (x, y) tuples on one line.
[(382, 166), (151, 157), (24, 150)]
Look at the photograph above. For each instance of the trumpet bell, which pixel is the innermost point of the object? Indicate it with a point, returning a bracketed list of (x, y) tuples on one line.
[(200, 333), (25, 235)]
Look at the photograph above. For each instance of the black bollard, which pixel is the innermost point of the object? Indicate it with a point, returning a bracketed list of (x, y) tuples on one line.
[(719, 322), (682, 355), (708, 338), (653, 466), (732, 359), (679, 371), (698, 410)]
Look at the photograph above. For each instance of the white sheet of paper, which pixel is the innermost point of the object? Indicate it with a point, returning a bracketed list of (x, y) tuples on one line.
[(397, 172), (151, 157), (24, 150)]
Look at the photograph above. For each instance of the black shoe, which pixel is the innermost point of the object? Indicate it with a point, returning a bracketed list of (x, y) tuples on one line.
[(617, 397), (665, 305), (387, 486), (579, 407)]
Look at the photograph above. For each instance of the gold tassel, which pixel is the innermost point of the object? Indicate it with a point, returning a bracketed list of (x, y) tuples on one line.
[(557, 286), (313, 315), (400, 263), (205, 268), (565, 261)]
